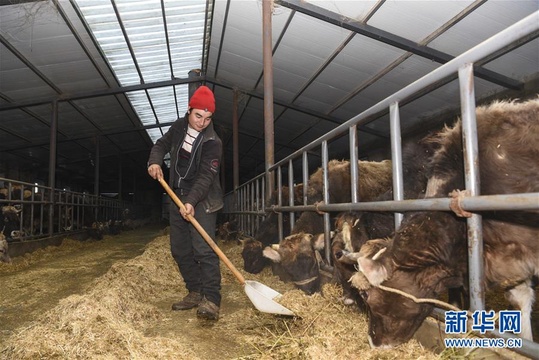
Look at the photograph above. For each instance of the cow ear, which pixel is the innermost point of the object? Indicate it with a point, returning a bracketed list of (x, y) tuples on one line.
[(373, 269), (359, 281), (318, 242), (271, 254)]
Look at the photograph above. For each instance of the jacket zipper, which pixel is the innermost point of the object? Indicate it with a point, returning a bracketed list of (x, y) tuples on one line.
[(193, 151)]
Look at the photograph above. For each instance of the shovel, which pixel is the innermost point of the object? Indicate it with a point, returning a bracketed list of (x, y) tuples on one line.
[(260, 295)]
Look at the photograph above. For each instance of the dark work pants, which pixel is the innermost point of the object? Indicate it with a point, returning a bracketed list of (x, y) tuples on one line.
[(198, 263)]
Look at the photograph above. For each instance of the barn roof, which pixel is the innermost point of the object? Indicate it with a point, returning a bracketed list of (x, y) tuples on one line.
[(117, 73)]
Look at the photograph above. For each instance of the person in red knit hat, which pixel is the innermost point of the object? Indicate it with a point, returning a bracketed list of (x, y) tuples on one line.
[(195, 157)]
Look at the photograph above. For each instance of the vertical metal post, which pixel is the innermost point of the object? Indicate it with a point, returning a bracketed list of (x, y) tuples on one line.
[(291, 192), (52, 162), (472, 181), (263, 197), (247, 188), (242, 207), (252, 210), (280, 201), (396, 157), (258, 203), (305, 171), (268, 93), (352, 131), (327, 223)]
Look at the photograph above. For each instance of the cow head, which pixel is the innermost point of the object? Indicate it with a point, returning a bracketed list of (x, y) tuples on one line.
[(253, 260), (393, 319), (266, 234), (299, 257), (419, 261), (12, 222), (349, 237)]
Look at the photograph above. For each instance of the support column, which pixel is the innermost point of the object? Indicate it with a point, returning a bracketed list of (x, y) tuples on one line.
[(52, 162), (268, 95)]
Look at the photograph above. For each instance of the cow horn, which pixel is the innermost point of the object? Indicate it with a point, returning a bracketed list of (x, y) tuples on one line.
[(379, 253), (355, 222), (275, 246), (347, 236)]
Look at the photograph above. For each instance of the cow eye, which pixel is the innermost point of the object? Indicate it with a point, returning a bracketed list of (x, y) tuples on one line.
[(364, 294)]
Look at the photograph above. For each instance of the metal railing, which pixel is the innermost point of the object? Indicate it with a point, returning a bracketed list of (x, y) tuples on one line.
[(461, 67), (44, 212)]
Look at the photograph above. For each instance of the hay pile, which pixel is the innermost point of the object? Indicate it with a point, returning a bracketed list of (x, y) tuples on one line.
[(122, 315), (323, 329), (106, 322), (23, 262)]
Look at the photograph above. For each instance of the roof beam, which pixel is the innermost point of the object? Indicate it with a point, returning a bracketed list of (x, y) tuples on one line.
[(392, 39), (300, 109), (98, 93)]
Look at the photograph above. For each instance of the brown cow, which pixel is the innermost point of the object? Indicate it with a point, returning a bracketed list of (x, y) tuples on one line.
[(268, 232), (11, 227), (374, 184), (349, 236), (228, 231), (298, 253), (428, 253), (355, 228)]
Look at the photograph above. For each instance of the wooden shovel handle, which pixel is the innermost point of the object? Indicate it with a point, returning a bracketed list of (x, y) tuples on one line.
[(203, 232)]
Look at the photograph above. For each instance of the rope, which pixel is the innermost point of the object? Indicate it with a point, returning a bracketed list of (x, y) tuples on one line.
[(320, 212), (456, 198), (420, 300)]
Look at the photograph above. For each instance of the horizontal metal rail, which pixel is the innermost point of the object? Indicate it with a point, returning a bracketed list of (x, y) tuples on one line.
[(508, 202)]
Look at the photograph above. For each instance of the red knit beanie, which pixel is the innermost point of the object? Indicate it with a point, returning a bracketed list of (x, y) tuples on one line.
[(203, 99)]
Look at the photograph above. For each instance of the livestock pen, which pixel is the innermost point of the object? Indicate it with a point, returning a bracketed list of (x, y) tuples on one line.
[(249, 202), (41, 212)]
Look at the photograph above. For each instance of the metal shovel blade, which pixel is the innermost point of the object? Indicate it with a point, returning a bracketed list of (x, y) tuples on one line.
[(263, 298)]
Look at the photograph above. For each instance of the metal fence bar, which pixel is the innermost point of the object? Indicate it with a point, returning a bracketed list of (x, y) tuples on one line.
[(524, 201), (471, 176), (326, 216), (396, 158), (280, 201), (69, 211), (354, 173)]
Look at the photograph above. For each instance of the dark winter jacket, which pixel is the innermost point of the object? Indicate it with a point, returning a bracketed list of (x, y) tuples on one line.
[(201, 181)]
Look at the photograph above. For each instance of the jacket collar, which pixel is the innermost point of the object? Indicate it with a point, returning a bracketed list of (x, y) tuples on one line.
[(207, 134)]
